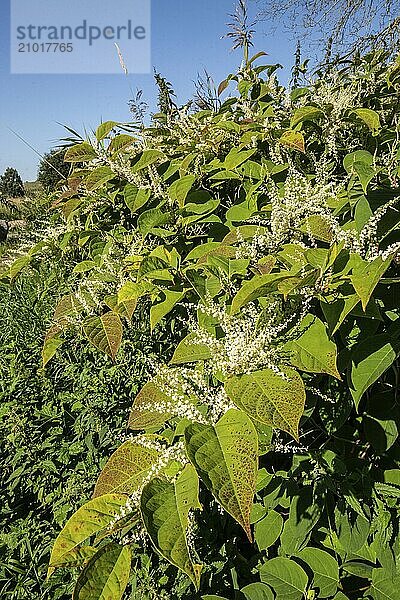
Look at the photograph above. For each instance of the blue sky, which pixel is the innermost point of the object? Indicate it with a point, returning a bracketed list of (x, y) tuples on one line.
[(186, 38)]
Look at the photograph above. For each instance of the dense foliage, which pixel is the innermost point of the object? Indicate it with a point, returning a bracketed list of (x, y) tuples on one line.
[(264, 231), (57, 428), (11, 185)]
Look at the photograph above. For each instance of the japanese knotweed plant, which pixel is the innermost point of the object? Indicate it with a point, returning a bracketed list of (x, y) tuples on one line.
[(266, 233)]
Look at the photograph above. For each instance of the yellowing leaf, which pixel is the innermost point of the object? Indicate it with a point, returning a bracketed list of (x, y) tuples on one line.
[(269, 398), (88, 520), (293, 140), (80, 153), (146, 410), (225, 456), (125, 470), (121, 142), (104, 332)]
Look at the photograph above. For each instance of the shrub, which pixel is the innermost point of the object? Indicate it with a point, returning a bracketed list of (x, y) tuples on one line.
[(265, 232)]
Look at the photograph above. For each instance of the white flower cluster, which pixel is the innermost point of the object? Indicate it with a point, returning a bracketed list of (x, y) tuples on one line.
[(258, 246), (298, 199), (250, 340), (186, 390)]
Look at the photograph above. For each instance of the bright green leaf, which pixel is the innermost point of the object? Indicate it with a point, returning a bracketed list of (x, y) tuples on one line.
[(267, 531), (313, 351), (286, 577), (366, 276), (325, 570), (305, 113)]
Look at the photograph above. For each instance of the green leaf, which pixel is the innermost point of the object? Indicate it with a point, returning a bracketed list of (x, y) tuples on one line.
[(360, 163), (369, 360), (270, 398), (148, 157), (366, 276), (293, 140), (384, 586), (325, 570), (370, 118), (50, 347), (80, 153), (319, 227), (257, 286), (104, 129), (286, 577), (305, 113), (351, 533), (84, 266), (154, 217), (267, 531), (179, 189), (104, 332), (304, 514), (188, 350), (121, 142), (257, 591), (236, 157), (161, 309), (135, 197), (165, 508), (225, 456), (91, 518), (336, 312), (125, 470), (18, 265), (313, 351), (106, 575), (98, 177)]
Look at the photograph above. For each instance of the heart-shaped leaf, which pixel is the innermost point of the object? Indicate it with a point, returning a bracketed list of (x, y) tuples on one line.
[(225, 456)]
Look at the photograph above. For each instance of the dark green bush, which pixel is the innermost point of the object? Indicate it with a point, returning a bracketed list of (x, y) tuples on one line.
[(57, 428)]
